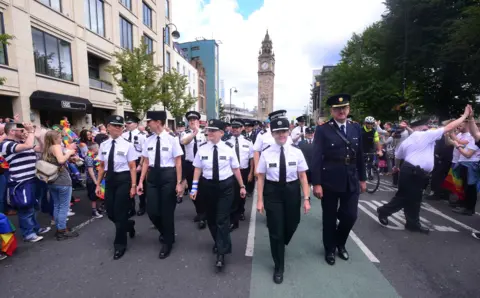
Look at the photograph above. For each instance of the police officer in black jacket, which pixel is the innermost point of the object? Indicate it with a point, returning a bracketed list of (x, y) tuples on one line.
[(307, 149), (338, 174)]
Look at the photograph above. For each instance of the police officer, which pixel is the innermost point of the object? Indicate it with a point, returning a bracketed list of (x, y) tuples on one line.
[(281, 171), (216, 163), (298, 133), (192, 139), (162, 160), (249, 132), (307, 149), (244, 152), (134, 136), (117, 158), (338, 173)]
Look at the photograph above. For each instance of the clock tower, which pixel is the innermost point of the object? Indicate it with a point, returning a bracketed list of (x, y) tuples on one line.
[(266, 77)]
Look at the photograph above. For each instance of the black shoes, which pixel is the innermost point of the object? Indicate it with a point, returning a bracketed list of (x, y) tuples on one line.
[(330, 258), (382, 219), (343, 253), (202, 225), (118, 253), (141, 212), (214, 250), (242, 217), (463, 211), (165, 251), (278, 276), (220, 263), (132, 231), (233, 227), (419, 229)]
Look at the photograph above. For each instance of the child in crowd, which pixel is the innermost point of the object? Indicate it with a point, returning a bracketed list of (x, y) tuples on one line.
[(91, 164)]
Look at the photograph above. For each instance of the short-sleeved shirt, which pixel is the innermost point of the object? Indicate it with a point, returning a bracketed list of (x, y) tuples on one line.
[(227, 160), (245, 150), (199, 139), (22, 164), (266, 139), (91, 162), (137, 139), (124, 153), (269, 162), (169, 149)]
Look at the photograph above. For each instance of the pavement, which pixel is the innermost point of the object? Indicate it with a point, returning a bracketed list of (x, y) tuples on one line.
[(384, 261)]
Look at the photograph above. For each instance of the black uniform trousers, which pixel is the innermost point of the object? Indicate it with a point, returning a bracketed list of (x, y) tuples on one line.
[(118, 203), (282, 203), (408, 197), (470, 190), (439, 173), (346, 212), (142, 197), (218, 200), (199, 202), (250, 186), (162, 201), (238, 206)]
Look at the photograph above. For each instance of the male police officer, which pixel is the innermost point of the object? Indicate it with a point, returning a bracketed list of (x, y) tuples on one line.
[(338, 173), (307, 149), (298, 133)]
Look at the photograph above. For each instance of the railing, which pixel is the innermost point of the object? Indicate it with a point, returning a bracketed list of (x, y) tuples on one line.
[(101, 84)]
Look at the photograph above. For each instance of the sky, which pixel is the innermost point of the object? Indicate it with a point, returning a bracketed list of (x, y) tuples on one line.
[(306, 35)]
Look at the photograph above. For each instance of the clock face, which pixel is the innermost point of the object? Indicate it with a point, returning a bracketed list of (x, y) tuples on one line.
[(264, 65)]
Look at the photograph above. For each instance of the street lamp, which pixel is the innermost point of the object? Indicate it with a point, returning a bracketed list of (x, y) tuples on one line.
[(175, 34), (234, 90)]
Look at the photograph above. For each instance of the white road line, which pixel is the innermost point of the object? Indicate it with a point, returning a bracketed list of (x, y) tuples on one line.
[(83, 224), (251, 228), (428, 207), (364, 248)]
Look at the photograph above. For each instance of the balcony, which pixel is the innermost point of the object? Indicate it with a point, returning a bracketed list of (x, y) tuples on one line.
[(99, 77), (99, 84)]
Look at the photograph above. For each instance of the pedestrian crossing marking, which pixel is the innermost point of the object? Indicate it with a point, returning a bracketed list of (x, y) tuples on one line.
[(384, 186)]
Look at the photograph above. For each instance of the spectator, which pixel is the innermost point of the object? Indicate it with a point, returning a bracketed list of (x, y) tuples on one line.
[(92, 174)]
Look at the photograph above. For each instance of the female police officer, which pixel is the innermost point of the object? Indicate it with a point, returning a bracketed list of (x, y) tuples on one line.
[(162, 160), (279, 170), (217, 162), (117, 158)]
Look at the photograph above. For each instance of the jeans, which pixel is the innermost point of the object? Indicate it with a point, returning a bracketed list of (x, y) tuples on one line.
[(3, 192), (60, 195), (27, 221)]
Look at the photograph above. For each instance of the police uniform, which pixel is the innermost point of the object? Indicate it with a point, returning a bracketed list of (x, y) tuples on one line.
[(307, 149), (338, 167), (300, 129), (190, 153), (161, 152), (217, 185), (180, 135), (252, 136), (115, 155), (265, 139), (137, 138), (244, 152), (281, 193)]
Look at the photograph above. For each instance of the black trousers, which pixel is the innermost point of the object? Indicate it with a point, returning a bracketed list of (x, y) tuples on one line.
[(469, 190), (346, 212), (162, 201), (282, 203), (439, 173), (396, 174), (118, 203), (142, 197), (200, 203), (250, 186), (218, 198), (411, 183), (238, 206)]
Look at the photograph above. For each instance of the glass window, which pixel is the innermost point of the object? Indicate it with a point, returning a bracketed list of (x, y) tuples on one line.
[(147, 15), (3, 47), (95, 18), (167, 9), (167, 61), (55, 4), (126, 32), (52, 55), (127, 3), (149, 42), (184, 70), (178, 66), (167, 35)]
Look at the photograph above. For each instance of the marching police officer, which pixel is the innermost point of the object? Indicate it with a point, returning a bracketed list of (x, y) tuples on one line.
[(298, 133), (338, 173), (162, 160), (249, 131), (307, 149), (216, 163), (244, 152), (192, 139), (281, 171), (117, 158)]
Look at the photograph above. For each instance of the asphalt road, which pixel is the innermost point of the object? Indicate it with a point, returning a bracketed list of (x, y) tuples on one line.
[(385, 261)]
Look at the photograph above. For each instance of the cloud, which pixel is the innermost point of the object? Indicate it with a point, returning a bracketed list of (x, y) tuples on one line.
[(306, 34)]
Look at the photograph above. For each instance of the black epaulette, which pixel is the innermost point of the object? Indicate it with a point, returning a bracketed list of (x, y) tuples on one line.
[(172, 134), (127, 140), (262, 132), (202, 144), (229, 144), (266, 148), (225, 138), (188, 131), (296, 146), (247, 138)]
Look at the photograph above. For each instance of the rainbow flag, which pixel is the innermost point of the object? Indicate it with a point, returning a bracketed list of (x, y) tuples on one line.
[(3, 163), (70, 133), (97, 165), (102, 188), (7, 236), (454, 184)]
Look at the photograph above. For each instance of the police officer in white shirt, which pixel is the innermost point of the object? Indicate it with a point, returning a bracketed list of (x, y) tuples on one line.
[(417, 151), (215, 165), (117, 158), (244, 151), (162, 160), (281, 170), (134, 136), (298, 133), (191, 140)]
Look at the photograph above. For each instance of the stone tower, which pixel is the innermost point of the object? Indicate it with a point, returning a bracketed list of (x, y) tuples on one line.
[(266, 78)]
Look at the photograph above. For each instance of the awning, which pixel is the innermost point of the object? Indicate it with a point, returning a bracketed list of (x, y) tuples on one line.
[(43, 100)]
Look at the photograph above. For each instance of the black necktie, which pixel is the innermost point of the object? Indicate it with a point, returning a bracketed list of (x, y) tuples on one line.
[(342, 129), (282, 178), (110, 158), (301, 130), (157, 154), (216, 172), (130, 137), (237, 149), (195, 146)]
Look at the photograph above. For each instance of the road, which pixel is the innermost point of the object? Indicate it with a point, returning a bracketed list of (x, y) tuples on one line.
[(385, 261)]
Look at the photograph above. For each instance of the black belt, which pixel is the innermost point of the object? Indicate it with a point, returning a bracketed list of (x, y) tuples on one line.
[(280, 183), (415, 169), (211, 180), (341, 160), (118, 173)]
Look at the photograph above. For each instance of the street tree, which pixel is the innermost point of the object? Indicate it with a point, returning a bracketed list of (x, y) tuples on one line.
[(175, 97), (4, 40), (222, 115)]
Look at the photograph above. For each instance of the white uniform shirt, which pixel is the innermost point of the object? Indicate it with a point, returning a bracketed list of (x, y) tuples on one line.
[(137, 142), (476, 155), (269, 162), (456, 154), (418, 148), (266, 139), (227, 160), (296, 132), (245, 148), (124, 153), (169, 149), (189, 147)]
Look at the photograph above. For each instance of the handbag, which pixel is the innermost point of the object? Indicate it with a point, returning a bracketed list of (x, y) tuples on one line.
[(46, 172)]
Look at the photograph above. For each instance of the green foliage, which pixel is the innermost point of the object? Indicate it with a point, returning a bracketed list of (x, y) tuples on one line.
[(5, 40), (222, 115), (175, 99)]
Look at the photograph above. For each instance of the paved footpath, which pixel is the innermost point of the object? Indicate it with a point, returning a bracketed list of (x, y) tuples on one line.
[(385, 261)]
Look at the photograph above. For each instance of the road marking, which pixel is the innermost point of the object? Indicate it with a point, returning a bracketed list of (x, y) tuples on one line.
[(251, 227), (83, 224), (430, 208), (364, 248), (398, 226)]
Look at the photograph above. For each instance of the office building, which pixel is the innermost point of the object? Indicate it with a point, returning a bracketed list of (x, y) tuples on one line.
[(232, 112), (320, 92)]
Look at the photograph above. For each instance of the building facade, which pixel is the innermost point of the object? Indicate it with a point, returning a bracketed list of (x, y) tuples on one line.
[(266, 79), (232, 112), (183, 66), (55, 65), (320, 92), (202, 86), (207, 51)]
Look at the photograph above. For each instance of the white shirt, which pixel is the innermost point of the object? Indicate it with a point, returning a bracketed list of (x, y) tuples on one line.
[(418, 148), (200, 138), (266, 139), (227, 160), (269, 162), (138, 140), (124, 153), (340, 125), (476, 155), (297, 131), (461, 136), (169, 149), (245, 149)]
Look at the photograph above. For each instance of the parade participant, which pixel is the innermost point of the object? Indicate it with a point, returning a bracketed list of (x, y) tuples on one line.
[(192, 139), (117, 163), (180, 132), (216, 163), (244, 152), (134, 136), (418, 160), (249, 132), (338, 173), (298, 133), (162, 160), (307, 149), (281, 171)]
